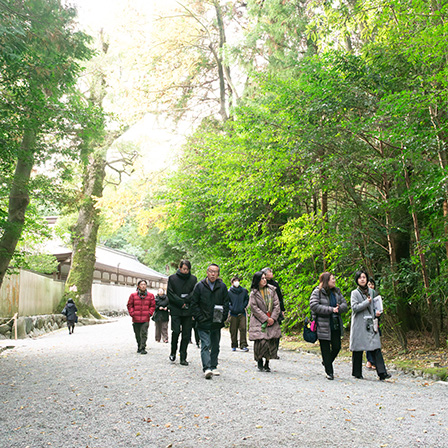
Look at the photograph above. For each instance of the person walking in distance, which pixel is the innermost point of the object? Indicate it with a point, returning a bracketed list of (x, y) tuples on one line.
[(69, 312), (239, 299), (161, 316), (141, 306), (210, 306), (180, 290)]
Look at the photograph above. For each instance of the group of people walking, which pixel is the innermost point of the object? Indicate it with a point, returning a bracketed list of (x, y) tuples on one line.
[(205, 306), (327, 305)]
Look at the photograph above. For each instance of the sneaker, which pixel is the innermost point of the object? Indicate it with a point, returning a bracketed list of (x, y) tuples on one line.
[(233, 349), (143, 352), (172, 358), (184, 362), (245, 349), (216, 372), (208, 374)]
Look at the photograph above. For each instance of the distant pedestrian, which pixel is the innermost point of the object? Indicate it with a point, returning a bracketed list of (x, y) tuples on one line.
[(210, 306), (238, 301), (161, 316), (141, 306), (69, 312), (264, 328), (364, 334), (327, 304), (180, 290)]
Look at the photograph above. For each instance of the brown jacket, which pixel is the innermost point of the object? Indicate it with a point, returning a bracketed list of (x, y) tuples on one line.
[(258, 316)]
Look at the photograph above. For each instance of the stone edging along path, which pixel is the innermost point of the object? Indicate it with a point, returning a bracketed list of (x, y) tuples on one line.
[(34, 326)]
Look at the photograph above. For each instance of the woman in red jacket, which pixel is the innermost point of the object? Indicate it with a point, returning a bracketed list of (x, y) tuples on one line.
[(141, 306)]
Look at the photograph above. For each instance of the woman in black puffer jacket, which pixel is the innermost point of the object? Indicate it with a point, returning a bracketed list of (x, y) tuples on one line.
[(70, 312)]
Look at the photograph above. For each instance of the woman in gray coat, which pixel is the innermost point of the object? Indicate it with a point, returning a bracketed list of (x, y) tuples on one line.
[(364, 334), (327, 304), (264, 328)]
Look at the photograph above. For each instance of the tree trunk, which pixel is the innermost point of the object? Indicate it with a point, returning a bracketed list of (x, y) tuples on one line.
[(218, 58), (19, 199), (85, 235), (421, 254)]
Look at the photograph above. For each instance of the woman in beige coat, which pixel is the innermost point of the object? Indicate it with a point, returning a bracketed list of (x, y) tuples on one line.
[(264, 328)]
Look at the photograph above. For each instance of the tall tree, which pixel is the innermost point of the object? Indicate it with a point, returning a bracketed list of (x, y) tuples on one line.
[(39, 66)]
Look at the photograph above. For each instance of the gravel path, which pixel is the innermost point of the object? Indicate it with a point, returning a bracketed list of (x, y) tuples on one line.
[(92, 390)]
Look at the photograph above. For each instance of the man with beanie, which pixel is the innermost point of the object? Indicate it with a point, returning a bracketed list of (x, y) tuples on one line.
[(180, 289), (239, 299), (141, 306), (210, 307)]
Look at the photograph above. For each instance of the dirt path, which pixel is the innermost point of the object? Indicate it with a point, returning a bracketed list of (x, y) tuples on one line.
[(92, 389)]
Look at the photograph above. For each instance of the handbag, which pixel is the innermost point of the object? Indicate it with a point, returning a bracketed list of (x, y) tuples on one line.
[(310, 331)]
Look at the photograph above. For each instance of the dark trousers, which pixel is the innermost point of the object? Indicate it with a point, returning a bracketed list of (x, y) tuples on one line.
[(378, 360), (330, 350), (210, 340), (141, 334), (181, 325), (197, 339), (238, 324), (71, 326)]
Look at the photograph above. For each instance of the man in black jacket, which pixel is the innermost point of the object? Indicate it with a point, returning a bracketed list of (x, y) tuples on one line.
[(180, 289), (210, 307)]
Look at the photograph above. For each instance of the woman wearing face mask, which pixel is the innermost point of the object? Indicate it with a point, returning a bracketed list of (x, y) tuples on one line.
[(239, 299), (364, 334), (327, 304)]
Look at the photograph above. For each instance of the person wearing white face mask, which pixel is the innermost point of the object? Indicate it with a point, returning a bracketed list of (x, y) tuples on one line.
[(239, 299)]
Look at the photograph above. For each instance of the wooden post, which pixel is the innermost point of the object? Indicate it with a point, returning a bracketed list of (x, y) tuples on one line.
[(15, 325)]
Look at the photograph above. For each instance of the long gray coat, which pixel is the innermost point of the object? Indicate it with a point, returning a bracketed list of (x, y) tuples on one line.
[(362, 339), (320, 308), (258, 316)]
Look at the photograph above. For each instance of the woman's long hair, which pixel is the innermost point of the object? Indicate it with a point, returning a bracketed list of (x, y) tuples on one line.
[(256, 280), (324, 278)]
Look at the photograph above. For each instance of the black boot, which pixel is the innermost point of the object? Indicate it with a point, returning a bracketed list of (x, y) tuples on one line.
[(266, 366), (260, 365)]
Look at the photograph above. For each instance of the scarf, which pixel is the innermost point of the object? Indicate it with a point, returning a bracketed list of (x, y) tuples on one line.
[(182, 275), (267, 297), (364, 290), (142, 294)]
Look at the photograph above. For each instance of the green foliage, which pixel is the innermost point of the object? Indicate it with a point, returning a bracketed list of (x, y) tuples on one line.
[(43, 263), (42, 116), (310, 174)]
